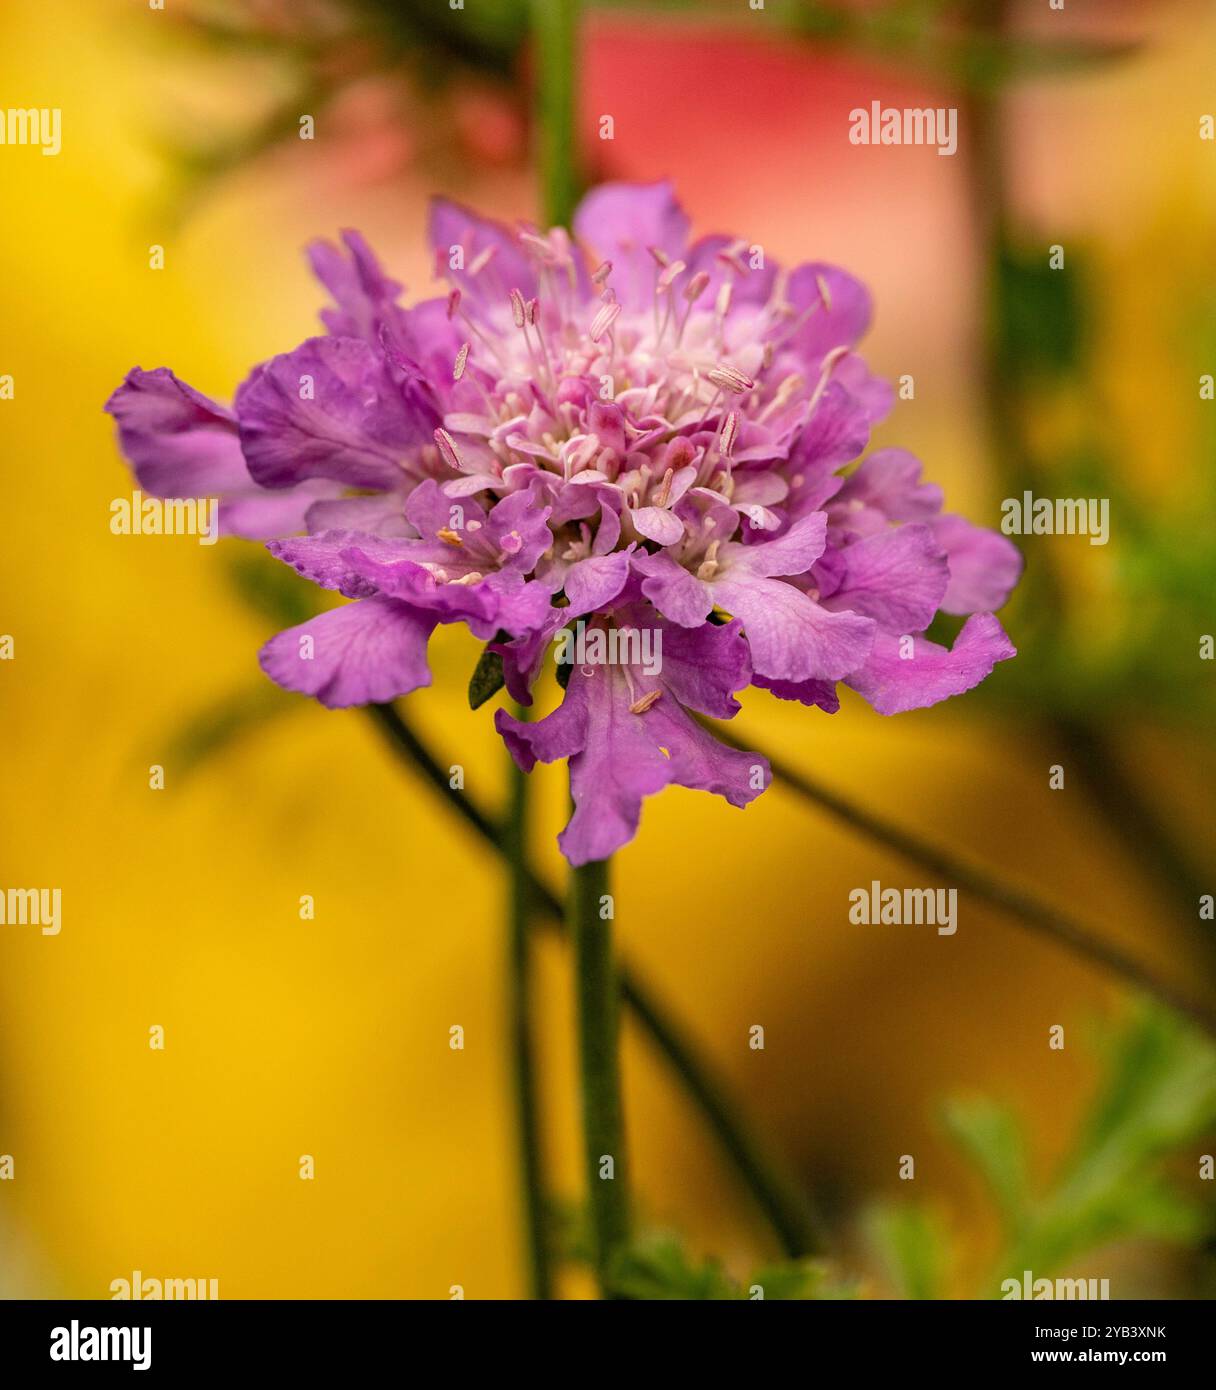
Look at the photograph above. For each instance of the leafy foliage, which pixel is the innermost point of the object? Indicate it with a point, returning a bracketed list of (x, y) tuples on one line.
[(1154, 1105), (658, 1267), (912, 1243)]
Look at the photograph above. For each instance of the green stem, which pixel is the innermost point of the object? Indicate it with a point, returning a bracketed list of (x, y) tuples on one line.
[(555, 27), (597, 991), (774, 1191), (519, 1023)]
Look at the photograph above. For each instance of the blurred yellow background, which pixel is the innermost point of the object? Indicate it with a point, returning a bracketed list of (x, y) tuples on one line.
[(330, 1037)]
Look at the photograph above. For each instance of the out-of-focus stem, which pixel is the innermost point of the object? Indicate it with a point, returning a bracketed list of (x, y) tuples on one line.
[(519, 1023), (597, 993), (555, 27)]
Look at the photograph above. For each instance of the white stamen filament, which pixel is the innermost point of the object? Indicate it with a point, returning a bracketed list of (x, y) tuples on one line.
[(482, 259)]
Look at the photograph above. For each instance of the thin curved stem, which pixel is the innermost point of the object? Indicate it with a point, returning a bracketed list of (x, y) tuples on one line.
[(589, 920), (775, 1193), (519, 1023), (1023, 907), (785, 1206)]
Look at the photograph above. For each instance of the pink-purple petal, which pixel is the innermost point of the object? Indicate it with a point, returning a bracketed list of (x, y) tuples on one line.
[(621, 222), (180, 443), (896, 577), (790, 636), (362, 653), (327, 410), (905, 673), (984, 566), (675, 592)]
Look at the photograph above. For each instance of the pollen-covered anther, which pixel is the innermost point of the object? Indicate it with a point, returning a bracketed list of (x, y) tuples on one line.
[(697, 286), (450, 537), (641, 705), (661, 258), (731, 256), (664, 491), (709, 566), (730, 432), (729, 378), (669, 274), (599, 276), (462, 358), (448, 450), (518, 312), (607, 315), (473, 577)]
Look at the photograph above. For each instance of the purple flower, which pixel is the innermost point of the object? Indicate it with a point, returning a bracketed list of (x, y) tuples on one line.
[(626, 441)]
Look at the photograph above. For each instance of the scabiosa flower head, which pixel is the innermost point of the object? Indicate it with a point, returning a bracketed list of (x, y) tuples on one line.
[(624, 433)]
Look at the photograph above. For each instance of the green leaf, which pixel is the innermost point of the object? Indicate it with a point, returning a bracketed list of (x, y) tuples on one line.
[(801, 1280), (657, 1267), (1157, 1099), (912, 1244), (993, 1139)]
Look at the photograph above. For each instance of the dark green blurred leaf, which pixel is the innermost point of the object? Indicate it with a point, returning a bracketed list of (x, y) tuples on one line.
[(1037, 313), (212, 730), (487, 678), (270, 588), (927, 36)]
